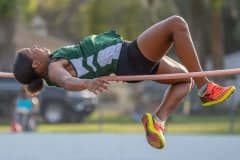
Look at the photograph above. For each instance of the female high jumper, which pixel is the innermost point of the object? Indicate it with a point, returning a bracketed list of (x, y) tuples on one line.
[(81, 66)]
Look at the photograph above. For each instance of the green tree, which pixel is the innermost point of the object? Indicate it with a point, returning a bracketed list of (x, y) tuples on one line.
[(160, 9), (65, 18), (127, 16), (199, 26), (232, 25), (217, 45), (27, 9), (7, 28)]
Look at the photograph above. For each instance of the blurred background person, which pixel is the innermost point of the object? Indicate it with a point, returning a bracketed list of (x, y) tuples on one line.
[(25, 112)]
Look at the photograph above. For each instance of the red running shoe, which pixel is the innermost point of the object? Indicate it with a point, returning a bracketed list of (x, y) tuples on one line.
[(154, 131), (215, 94)]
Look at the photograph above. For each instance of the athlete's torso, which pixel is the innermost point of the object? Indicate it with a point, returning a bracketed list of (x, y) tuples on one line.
[(94, 56)]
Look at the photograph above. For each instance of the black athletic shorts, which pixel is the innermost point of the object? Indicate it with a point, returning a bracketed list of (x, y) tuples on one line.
[(132, 61)]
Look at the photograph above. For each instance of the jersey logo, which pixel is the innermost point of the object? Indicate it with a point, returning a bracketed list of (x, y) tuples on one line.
[(78, 65), (90, 63), (106, 55), (97, 64)]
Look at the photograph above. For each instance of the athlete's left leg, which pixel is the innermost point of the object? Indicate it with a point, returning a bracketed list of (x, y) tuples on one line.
[(178, 89)]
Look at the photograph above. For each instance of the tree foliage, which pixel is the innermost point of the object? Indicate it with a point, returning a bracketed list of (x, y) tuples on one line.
[(127, 16), (7, 26), (28, 9), (217, 4), (7, 8), (73, 19)]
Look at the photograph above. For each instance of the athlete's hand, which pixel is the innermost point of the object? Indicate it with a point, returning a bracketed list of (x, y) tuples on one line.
[(96, 85)]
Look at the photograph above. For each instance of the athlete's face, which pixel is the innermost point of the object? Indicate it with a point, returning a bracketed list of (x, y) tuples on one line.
[(40, 57)]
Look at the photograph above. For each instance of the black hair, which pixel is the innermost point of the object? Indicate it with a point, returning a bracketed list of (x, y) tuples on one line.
[(35, 86), (25, 74)]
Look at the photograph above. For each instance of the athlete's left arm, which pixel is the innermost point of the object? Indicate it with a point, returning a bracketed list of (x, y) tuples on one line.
[(58, 74)]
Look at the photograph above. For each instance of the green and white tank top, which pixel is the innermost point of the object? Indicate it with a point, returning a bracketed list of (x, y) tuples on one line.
[(94, 56)]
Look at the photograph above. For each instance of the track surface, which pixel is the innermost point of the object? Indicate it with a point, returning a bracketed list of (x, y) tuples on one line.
[(94, 146)]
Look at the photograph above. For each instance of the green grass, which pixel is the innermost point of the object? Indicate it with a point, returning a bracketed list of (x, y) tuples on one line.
[(203, 124), (115, 123), (109, 128)]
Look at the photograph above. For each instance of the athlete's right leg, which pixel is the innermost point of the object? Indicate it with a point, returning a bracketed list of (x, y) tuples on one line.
[(155, 42)]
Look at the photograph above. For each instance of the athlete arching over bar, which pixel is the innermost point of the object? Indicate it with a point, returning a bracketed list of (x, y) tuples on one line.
[(81, 66)]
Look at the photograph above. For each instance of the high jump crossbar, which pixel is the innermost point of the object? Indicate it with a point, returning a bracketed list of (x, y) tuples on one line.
[(6, 75), (211, 73)]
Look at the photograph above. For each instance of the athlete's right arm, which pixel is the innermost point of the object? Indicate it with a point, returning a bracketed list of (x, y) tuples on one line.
[(58, 74)]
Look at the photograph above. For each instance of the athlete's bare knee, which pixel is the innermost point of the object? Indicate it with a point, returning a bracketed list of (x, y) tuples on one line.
[(178, 23), (184, 70)]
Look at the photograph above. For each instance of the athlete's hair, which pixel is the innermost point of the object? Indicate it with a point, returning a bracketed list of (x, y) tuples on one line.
[(25, 74)]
